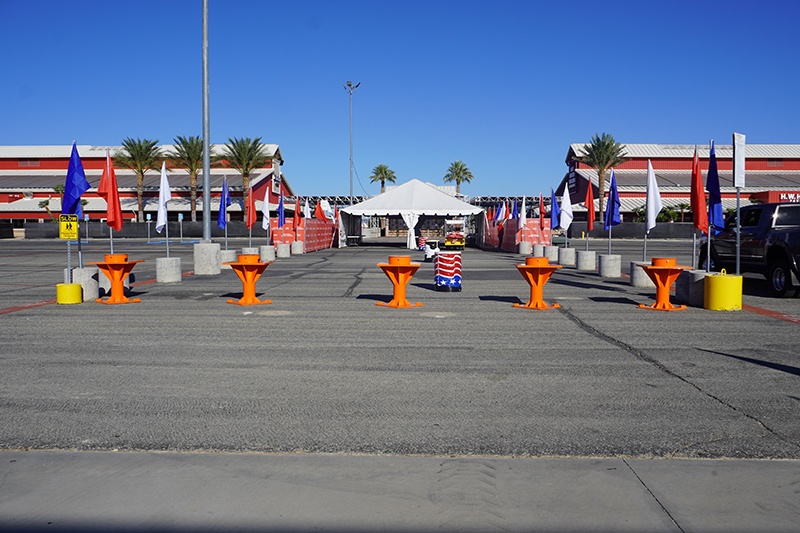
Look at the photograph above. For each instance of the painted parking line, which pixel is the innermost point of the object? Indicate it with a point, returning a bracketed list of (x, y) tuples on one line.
[(771, 314)]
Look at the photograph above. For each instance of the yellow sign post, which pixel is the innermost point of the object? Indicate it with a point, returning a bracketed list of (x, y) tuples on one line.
[(68, 227)]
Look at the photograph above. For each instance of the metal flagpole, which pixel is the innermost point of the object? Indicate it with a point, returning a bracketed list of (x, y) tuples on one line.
[(609, 240), (710, 218), (166, 225), (644, 251)]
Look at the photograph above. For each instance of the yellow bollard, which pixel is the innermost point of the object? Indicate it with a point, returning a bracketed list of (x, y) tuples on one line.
[(69, 293), (722, 292)]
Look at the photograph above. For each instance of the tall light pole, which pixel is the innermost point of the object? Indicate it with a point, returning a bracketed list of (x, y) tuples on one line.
[(350, 88), (206, 134)]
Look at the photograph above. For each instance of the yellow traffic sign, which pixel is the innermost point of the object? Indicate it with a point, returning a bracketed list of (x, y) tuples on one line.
[(68, 227)]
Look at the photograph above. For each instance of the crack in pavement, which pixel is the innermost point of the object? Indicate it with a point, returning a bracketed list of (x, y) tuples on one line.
[(638, 353), (653, 495), (349, 292)]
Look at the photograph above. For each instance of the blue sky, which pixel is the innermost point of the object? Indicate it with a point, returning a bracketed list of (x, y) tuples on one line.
[(504, 86)]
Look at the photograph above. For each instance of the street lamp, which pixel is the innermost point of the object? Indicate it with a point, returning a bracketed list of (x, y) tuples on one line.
[(350, 88)]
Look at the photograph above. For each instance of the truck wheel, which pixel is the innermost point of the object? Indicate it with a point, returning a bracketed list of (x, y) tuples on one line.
[(780, 278), (714, 262)]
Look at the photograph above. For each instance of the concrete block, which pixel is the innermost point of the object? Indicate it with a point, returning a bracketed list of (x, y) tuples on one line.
[(267, 253), (690, 288), (207, 260), (538, 250), (228, 256), (566, 256), (525, 248), (551, 253), (250, 251), (168, 270), (297, 247), (587, 260), (284, 251), (638, 276), (610, 266), (89, 278)]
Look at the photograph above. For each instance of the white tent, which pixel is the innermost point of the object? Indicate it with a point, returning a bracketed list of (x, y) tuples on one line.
[(410, 201)]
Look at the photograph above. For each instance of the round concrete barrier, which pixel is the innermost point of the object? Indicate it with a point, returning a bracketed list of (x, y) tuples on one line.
[(88, 277), (168, 270), (525, 248), (284, 251), (551, 253), (227, 256), (690, 288), (267, 254), (297, 247), (639, 277), (566, 256), (207, 259), (587, 260), (69, 293), (538, 250), (610, 266)]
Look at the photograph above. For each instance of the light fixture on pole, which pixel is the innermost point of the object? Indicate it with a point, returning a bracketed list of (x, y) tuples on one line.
[(350, 88)]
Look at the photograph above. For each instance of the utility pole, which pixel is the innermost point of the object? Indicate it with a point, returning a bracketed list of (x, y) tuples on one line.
[(350, 88)]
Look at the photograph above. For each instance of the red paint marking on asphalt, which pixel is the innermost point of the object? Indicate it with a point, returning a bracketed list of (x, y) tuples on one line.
[(26, 306), (771, 314), (55, 300)]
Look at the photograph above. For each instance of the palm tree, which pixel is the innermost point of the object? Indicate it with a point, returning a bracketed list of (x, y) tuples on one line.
[(383, 174), (245, 155), (188, 155), (603, 153), (140, 156), (682, 208), (458, 172)]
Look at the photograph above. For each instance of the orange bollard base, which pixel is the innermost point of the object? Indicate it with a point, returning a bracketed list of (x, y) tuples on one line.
[(536, 271), (399, 270), (663, 271), (249, 268), (116, 268)]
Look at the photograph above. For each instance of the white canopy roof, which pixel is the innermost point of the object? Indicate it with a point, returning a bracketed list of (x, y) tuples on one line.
[(413, 197)]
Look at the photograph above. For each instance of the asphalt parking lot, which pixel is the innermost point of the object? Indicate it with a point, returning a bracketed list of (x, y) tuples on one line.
[(466, 376)]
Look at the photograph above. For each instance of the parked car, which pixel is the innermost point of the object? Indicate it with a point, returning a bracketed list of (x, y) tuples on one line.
[(769, 238)]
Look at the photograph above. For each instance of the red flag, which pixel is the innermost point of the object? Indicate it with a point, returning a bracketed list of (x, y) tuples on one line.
[(698, 196), (541, 212), (251, 210), (296, 219), (590, 206), (108, 190)]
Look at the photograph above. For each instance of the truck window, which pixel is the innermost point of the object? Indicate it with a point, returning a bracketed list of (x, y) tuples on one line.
[(788, 215), (751, 218)]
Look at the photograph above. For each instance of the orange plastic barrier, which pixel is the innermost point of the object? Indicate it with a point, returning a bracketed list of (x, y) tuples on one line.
[(536, 272), (116, 268), (663, 271), (399, 271), (249, 268)]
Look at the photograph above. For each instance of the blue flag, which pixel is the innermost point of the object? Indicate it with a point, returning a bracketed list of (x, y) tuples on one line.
[(75, 186), (612, 208), (515, 213), (554, 210), (715, 215), (224, 202), (281, 214)]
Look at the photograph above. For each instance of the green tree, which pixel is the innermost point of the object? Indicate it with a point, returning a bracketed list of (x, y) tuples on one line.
[(188, 155), (639, 214), (140, 156), (244, 155), (458, 172), (383, 174), (602, 154), (683, 208)]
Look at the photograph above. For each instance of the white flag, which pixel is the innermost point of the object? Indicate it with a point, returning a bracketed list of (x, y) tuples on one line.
[(522, 218), (327, 209), (265, 212), (164, 196), (566, 209), (654, 204), (307, 209)]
